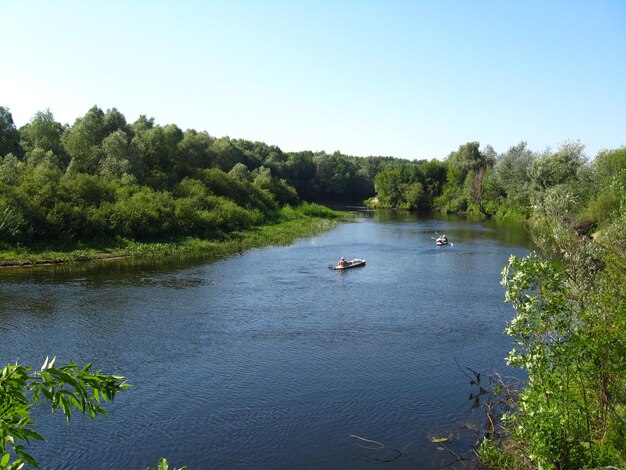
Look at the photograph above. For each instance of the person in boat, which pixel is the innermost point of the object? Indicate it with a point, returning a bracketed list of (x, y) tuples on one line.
[(343, 262), (443, 238)]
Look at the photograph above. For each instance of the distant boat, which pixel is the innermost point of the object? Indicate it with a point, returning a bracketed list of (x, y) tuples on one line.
[(355, 263), (441, 241)]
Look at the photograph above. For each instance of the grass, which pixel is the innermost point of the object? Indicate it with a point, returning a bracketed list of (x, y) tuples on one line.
[(286, 225)]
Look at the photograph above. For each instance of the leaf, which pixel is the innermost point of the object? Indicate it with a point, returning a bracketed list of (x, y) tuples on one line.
[(23, 455), (77, 404), (29, 433), (163, 464), (65, 407), (5, 459)]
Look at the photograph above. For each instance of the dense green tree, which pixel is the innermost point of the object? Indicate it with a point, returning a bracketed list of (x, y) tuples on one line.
[(560, 167), (241, 173), (474, 165), (511, 175), (413, 185), (337, 178), (227, 154), (118, 155), (243, 193), (280, 190), (84, 138), (389, 188), (115, 121), (45, 134), (194, 151), (9, 135), (142, 124), (416, 197), (256, 154), (434, 174), (158, 152), (300, 171), (11, 170), (468, 158), (608, 198), (78, 206), (82, 141), (467, 169)]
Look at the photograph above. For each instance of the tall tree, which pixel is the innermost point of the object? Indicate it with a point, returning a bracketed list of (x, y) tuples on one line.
[(9, 135), (118, 155), (553, 168), (194, 151), (227, 154), (512, 173), (467, 168), (83, 139), (44, 133)]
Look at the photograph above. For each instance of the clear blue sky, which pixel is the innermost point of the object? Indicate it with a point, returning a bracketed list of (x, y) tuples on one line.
[(409, 79)]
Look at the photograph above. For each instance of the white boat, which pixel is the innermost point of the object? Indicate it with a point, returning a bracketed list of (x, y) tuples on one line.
[(355, 263), (441, 241)]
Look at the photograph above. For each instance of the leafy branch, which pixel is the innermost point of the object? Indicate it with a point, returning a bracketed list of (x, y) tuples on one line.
[(66, 388)]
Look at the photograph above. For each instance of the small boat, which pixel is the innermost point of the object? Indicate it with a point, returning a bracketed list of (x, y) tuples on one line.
[(441, 241), (355, 263)]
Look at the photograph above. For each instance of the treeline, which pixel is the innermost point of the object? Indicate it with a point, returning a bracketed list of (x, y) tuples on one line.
[(103, 177), (507, 185)]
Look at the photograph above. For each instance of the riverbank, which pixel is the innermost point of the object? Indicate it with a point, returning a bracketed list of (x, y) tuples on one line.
[(289, 225)]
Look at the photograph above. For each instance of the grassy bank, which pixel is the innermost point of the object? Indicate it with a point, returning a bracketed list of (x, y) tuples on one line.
[(286, 225)]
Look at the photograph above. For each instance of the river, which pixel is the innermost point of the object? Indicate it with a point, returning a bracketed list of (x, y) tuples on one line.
[(268, 358)]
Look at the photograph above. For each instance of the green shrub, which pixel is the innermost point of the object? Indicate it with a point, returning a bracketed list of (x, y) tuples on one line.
[(316, 210)]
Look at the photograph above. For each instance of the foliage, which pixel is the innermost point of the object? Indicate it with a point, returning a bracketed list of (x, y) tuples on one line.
[(163, 465), (43, 133), (316, 210), (608, 197), (281, 227), (340, 178), (65, 388), (464, 188), (9, 136), (414, 185), (103, 177), (570, 304)]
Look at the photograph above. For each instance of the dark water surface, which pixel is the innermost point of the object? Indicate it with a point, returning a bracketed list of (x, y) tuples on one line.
[(269, 359)]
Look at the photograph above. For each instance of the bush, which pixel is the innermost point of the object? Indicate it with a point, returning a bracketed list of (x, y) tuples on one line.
[(316, 210), (146, 214)]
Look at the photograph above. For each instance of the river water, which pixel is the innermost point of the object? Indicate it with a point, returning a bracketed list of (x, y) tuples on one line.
[(268, 358)]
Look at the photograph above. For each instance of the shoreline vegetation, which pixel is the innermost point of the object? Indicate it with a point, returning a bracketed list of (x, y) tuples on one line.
[(291, 224)]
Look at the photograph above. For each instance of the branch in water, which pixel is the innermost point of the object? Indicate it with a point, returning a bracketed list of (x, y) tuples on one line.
[(380, 445)]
